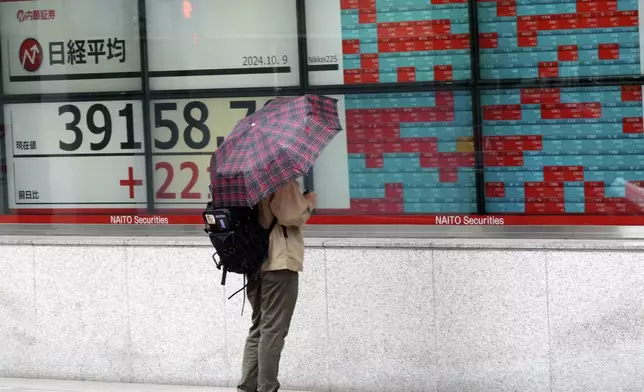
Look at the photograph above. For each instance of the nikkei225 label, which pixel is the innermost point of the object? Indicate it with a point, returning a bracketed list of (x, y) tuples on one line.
[(75, 155), (185, 133), (70, 46)]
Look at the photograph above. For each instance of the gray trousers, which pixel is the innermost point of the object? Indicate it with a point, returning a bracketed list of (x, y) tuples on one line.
[(272, 298)]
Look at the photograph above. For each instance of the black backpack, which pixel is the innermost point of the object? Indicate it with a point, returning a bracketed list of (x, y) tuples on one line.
[(241, 243)]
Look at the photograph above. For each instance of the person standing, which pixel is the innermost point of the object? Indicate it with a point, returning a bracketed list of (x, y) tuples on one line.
[(273, 295)]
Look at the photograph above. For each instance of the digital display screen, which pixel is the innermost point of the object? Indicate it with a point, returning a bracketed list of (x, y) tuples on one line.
[(68, 46), (563, 151), (388, 41), (410, 153), (558, 38), (200, 44), (73, 156)]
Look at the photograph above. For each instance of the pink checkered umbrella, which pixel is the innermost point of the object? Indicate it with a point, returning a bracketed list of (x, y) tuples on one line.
[(271, 147)]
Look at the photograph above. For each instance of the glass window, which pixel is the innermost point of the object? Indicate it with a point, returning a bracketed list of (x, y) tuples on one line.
[(200, 44), (69, 46), (405, 153), (75, 156), (185, 132), (510, 112), (558, 39), (387, 41), (552, 151)]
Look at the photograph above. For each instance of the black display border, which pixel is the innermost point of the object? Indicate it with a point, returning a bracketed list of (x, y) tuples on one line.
[(146, 95)]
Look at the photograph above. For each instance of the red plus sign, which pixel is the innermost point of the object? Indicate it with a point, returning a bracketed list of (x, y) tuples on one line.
[(131, 182)]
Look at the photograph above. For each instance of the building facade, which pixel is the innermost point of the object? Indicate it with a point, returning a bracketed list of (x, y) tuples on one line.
[(479, 217)]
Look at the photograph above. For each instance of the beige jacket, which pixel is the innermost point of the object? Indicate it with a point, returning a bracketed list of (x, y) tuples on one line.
[(292, 210)]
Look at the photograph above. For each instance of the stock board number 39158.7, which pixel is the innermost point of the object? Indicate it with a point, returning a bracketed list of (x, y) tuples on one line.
[(98, 120)]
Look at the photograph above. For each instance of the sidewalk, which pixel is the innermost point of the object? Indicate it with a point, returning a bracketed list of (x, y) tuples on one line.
[(31, 385)]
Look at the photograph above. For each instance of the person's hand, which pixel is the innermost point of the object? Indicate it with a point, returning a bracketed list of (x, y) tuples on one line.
[(312, 198)]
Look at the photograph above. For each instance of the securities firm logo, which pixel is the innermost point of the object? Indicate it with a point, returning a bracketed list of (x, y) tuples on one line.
[(34, 15), (30, 55)]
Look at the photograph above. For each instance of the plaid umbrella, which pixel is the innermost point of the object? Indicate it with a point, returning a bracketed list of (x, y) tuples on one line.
[(271, 147)]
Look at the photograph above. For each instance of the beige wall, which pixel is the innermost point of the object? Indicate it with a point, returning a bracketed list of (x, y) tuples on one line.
[(373, 315)]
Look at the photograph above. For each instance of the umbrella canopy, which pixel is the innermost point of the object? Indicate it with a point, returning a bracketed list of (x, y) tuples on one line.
[(267, 149)]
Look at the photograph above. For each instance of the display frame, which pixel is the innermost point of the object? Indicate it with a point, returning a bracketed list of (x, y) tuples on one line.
[(480, 224)]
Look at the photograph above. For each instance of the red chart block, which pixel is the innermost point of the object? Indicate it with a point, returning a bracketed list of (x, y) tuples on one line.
[(349, 4), (374, 161), (568, 53), (548, 69), (631, 93), (544, 190), (377, 206), (513, 143), (627, 18), (447, 175), (609, 206), (351, 46), (377, 147), (361, 76), (436, 42), (367, 17), (502, 112), (596, 5), (563, 173), (613, 206), (494, 189), (608, 51), (422, 145), (506, 8), (527, 24), (571, 110), (527, 39), (632, 125), (355, 148), (394, 191), (545, 208), (369, 61), (414, 29), (443, 72), (595, 208), (447, 160), (584, 20), (423, 114), (503, 158), (429, 160), (594, 190), (489, 40), (444, 99), (406, 74), (372, 131), (365, 148), (456, 159), (531, 96)]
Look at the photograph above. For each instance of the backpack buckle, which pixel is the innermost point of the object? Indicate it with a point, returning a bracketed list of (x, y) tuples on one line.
[(217, 260), (217, 220)]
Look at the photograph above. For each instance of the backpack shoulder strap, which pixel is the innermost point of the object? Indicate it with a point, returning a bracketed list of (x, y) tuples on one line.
[(273, 224)]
